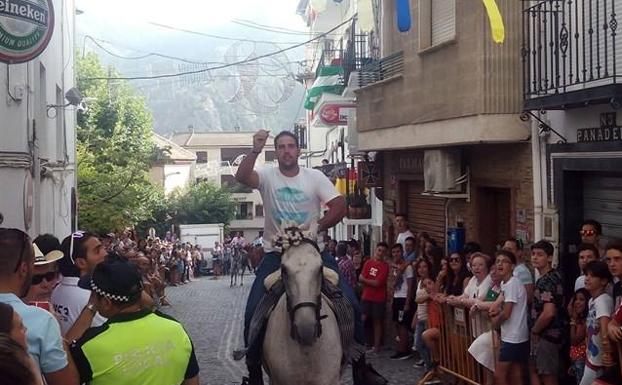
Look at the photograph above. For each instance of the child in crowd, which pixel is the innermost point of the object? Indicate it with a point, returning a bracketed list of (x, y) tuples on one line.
[(587, 254), (578, 332), (432, 334), (374, 279), (514, 351), (597, 277), (420, 321)]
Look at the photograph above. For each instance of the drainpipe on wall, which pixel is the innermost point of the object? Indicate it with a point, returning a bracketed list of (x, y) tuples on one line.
[(538, 176)]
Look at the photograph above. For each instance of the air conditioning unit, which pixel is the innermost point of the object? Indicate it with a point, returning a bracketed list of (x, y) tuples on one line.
[(442, 171)]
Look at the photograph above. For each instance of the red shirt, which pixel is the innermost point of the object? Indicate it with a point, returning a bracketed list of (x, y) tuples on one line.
[(377, 271)]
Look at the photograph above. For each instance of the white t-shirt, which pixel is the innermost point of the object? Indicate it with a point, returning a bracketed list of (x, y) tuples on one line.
[(297, 199), (601, 306), (580, 282), (401, 237), (521, 271), (409, 273), (68, 300), (514, 330), (422, 308)]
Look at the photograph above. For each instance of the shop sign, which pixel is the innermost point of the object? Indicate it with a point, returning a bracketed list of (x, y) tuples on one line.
[(26, 27), (409, 162), (335, 114), (609, 131), (369, 174)]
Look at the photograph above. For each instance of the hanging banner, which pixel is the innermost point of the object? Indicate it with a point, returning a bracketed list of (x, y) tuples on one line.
[(496, 21), (26, 27), (318, 6), (402, 7), (365, 15)]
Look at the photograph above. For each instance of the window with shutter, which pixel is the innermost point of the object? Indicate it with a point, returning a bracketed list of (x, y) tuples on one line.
[(437, 22), (443, 21)]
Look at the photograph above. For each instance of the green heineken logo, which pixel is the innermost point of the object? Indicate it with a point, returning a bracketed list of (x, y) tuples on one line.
[(26, 27)]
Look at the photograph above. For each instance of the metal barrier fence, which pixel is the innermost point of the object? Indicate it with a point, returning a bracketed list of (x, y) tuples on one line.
[(457, 332)]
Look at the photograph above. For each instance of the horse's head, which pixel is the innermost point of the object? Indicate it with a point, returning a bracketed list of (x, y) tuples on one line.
[(301, 272)]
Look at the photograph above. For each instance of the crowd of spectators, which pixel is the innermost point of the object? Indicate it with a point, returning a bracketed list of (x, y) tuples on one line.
[(525, 329), (56, 298)]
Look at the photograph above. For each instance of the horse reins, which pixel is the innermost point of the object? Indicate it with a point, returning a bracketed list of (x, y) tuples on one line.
[(317, 306)]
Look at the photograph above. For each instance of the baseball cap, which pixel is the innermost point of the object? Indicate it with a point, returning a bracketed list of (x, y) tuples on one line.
[(118, 281)]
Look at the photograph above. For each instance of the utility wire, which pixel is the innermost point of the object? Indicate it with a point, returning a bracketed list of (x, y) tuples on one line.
[(246, 21), (165, 26), (256, 58), (269, 29), (146, 54)]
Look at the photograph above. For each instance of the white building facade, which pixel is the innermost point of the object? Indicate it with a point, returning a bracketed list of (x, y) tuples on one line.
[(573, 95), (37, 149)]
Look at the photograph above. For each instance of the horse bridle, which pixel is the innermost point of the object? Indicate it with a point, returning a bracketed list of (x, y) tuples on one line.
[(317, 305)]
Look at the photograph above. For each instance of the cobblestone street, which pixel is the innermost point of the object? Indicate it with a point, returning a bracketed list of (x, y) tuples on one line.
[(212, 312)]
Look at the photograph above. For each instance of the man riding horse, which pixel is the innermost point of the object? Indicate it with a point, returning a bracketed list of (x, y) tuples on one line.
[(293, 194)]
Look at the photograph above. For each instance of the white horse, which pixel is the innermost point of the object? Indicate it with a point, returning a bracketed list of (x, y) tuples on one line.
[(302, 343)]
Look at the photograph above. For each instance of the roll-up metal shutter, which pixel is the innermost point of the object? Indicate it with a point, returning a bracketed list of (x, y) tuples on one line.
[(443, 20), (602, 201), (426, 213)]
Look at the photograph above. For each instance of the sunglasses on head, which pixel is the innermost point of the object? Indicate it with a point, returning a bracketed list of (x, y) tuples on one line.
[(25, 240), (49, 276), (77, 235), (588, 233)]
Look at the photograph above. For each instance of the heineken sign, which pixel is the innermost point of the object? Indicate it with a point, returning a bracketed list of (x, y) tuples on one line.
[(26, 27)]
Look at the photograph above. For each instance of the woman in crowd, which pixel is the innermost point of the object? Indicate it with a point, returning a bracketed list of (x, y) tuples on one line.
[(16, 366), (483, 347), (477, 288), (419, 324), (457, 275)]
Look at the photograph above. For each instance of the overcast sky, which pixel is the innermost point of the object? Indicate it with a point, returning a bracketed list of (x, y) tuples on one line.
[(194, 14)]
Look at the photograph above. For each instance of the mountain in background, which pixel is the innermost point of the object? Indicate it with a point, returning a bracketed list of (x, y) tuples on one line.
[(258, 94)]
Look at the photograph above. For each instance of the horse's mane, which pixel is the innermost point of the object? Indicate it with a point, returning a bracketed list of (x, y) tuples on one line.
[(292, 235)]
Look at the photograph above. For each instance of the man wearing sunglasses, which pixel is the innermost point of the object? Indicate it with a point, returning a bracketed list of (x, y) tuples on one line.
[(590, 232), (45, 343), (44, 279), (82, 252)]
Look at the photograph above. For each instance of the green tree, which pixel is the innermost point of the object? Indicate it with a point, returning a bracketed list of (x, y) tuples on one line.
[(202, 202), (115, 150)]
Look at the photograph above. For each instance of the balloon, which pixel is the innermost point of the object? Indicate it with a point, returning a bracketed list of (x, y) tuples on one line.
[(496, 21), (403, 15)]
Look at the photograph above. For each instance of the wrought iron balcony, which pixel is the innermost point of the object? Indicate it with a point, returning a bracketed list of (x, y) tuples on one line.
[(572, 56), (382, 69), (357, 52)]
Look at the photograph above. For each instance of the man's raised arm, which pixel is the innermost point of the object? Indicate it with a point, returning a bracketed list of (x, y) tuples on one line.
[(246, 173)]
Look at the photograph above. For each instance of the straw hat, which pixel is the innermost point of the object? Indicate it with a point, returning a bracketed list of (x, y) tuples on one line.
[(50, 257)]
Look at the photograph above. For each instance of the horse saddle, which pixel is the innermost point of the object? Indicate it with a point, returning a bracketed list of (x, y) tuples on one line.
[(339, 304)]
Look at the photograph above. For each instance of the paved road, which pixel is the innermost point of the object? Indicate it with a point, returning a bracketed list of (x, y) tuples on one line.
[(213, 314)]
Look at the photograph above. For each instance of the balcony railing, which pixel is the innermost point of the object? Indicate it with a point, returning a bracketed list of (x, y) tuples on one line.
[(382, 69), (571, 53), (357, 52)]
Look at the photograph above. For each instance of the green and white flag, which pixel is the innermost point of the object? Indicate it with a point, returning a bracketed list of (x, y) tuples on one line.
[(329, 79)]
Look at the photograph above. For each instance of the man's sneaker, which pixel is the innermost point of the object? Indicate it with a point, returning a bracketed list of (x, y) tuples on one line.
[(400, 356), (419, 363)]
